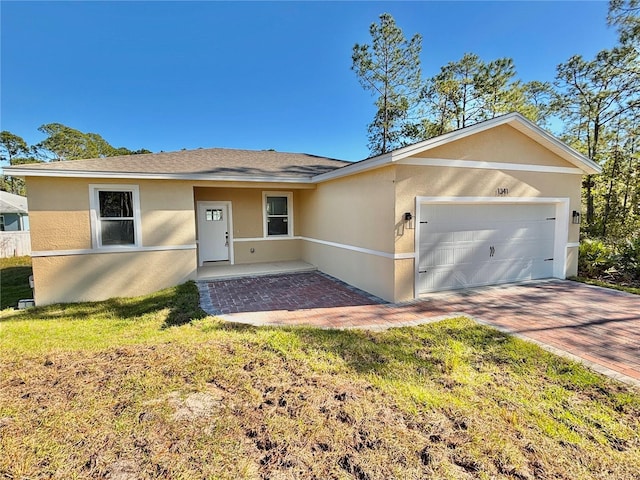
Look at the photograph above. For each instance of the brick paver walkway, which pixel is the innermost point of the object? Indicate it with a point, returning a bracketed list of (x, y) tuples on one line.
[(597, 326)]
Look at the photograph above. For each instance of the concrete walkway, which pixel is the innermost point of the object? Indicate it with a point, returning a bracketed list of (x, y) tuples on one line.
[(596, 326)]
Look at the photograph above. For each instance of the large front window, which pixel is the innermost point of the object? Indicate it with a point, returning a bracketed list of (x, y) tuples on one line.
[(115, 215), (277, 210)]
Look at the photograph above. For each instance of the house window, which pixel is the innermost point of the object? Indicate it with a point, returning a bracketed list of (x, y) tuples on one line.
[(278, 215), (214, 215), (115, 216), (1, 223)]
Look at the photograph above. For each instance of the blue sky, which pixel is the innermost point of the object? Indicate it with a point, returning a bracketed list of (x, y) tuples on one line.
[(254, 75)]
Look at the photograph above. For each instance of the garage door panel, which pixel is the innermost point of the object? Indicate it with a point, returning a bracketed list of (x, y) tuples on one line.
[(470, 245)]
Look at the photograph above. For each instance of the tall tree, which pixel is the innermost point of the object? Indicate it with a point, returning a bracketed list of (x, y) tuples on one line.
[(625, 15), (470, 90), (15, 151), (594, 96), (390, 69), (66, 143), (464, 97)]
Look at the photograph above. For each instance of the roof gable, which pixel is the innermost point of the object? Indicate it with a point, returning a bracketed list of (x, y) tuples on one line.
[(577, 163), (501, 144), (515, 121)]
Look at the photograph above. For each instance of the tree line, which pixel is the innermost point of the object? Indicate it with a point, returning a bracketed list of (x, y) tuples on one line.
[(596, 101), (61, 143)]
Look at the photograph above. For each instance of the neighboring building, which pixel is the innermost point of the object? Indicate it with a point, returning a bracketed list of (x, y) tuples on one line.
[(492, 203), (14, 226), (14, 213)]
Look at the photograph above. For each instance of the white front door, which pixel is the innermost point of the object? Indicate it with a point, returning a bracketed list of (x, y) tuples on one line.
[(470, 245), (213, 232)]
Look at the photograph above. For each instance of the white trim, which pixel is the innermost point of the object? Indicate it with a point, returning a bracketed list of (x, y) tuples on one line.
[(464, 200), (91, 251), (267, 239), (396, 256), (393, 256), (404, 256), (229, 220), (356, 167), (265, 229), (444, 162), (25, 172), (573, 244), (94, 207), (561, 233)]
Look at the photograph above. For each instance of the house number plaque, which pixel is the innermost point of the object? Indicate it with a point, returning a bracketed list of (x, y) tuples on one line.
[(502, 192)]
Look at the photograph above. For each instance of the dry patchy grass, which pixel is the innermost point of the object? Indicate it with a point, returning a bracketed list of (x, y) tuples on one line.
[(139, 392)]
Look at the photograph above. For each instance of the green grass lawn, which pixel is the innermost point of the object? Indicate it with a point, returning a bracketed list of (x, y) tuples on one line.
[(600, 283), (152, 388), (14, 280)]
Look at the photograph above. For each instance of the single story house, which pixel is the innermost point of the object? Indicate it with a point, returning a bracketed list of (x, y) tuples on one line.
[(495, 202), (14, 213)]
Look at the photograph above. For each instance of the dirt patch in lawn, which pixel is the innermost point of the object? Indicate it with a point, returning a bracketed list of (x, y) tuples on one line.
[(195, 406), (447, 401)]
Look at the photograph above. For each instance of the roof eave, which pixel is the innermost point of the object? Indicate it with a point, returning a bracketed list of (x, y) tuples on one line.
[(24, 172), (356, 167)]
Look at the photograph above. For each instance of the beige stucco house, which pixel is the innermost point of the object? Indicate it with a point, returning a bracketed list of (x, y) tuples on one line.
[(492, 203)]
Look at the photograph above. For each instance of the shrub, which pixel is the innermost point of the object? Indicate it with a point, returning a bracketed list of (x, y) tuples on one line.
[(629, 259), (595, 258), (618, 262)]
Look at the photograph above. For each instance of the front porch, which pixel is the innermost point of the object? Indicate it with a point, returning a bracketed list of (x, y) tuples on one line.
[(224, 270)]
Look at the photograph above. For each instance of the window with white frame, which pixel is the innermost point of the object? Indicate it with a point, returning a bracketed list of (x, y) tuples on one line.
[(115, 216), (278, 214)]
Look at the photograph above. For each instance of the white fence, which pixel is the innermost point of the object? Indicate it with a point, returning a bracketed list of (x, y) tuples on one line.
[(15, 244)]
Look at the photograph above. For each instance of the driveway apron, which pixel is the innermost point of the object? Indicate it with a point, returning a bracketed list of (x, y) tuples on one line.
[(597, 326)]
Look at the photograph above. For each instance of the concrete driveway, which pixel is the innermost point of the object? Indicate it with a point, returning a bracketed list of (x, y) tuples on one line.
[(597, 326)]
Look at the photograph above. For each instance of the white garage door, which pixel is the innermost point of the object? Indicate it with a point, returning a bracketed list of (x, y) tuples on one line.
[(485, 244)]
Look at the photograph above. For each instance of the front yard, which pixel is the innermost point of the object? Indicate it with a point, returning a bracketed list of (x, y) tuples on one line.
[(152, 388)]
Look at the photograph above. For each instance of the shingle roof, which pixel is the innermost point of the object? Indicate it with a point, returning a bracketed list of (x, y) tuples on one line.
[(10, 203), (210, 162)]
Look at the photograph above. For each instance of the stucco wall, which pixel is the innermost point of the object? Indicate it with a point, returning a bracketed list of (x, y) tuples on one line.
[(267, 251), (77, 278), (356, 210), (59, 209), (60, 222), (499, 144)]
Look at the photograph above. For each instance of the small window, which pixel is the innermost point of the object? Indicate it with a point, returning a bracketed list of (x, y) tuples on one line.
[(214, 215), (115, 216), (277, 212)]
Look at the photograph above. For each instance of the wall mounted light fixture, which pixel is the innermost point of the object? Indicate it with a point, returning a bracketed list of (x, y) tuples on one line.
[(575, 218), (408, 217)]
